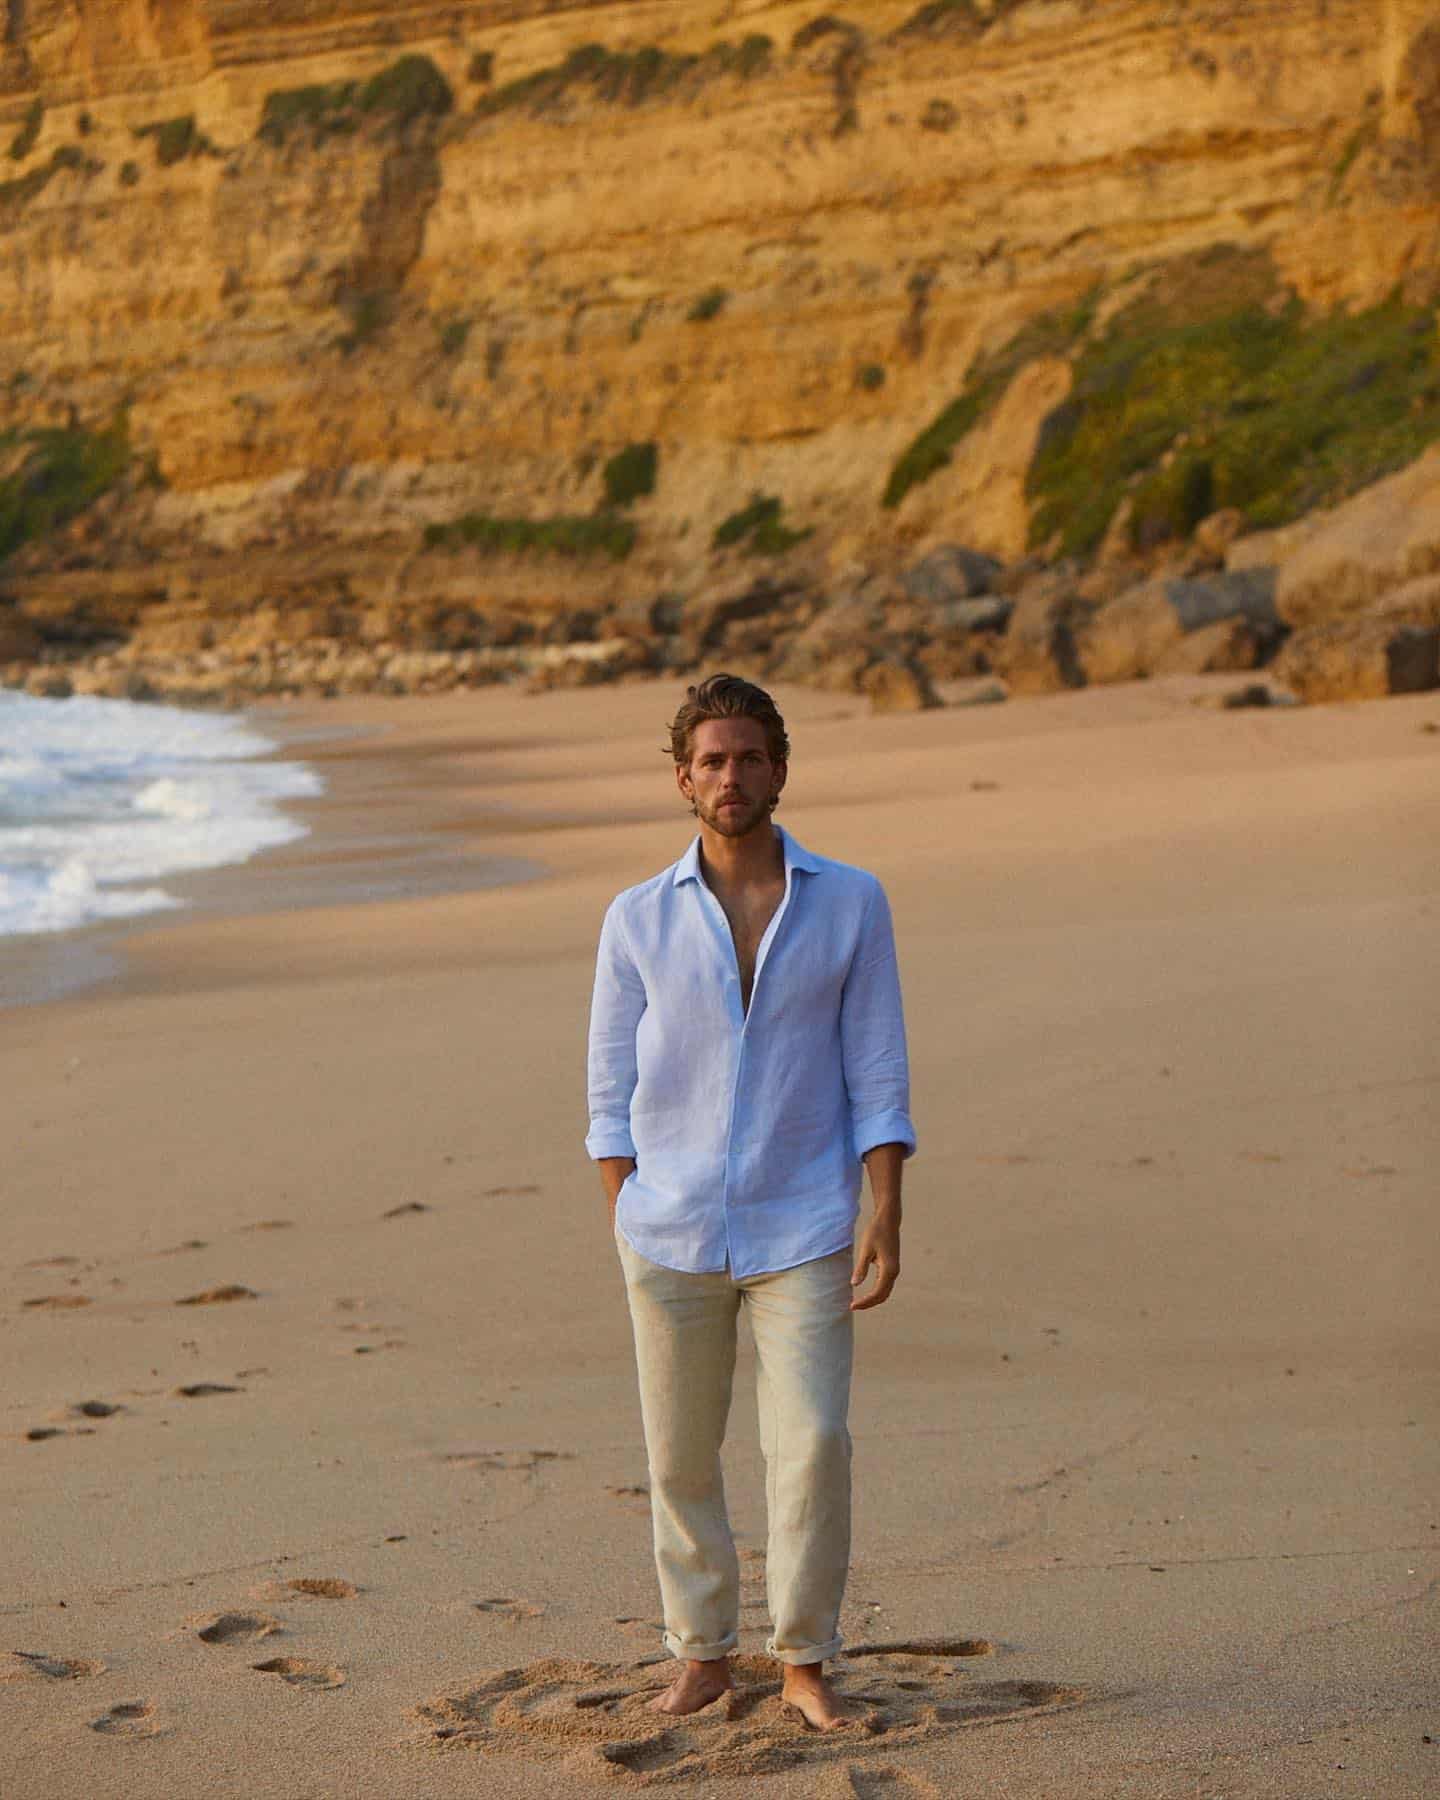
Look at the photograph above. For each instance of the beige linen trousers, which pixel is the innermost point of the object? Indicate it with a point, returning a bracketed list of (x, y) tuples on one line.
[(685, 1330)]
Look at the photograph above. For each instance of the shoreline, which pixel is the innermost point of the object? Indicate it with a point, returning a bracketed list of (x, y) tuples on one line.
[(349, 855)]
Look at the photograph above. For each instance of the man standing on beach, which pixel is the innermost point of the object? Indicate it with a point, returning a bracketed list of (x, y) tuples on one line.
[(747, 1057)]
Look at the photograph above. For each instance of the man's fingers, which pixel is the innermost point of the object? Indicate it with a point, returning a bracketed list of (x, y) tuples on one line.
[(880, 1292), (862, 1263)]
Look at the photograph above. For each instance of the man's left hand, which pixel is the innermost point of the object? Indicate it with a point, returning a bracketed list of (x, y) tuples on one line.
[(877, 1247)]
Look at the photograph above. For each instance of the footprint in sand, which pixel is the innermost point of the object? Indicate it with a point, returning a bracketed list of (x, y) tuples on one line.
[(130, 1719), (526, 1460), (300, 1671), (370, 1349), (181, 1249), (594, 1717), (633, 1496), (323, 1587), (215, 1296), (35, 1665), (235, 1627), (511, 1193), (407, 1206), (53, 1262), (269, 1225), (95, 1409), (510, 1609), (196, 1390), (58, 1302)]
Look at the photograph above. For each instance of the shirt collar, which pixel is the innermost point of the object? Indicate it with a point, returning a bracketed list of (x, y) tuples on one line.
[(796, 857)]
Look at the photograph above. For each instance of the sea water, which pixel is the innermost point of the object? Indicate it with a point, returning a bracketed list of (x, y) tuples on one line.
[(102, 800)]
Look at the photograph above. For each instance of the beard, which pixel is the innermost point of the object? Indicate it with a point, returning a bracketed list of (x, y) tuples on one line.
[(733, 821)]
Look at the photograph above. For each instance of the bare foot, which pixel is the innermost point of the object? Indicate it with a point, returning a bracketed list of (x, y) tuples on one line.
[(697, 1684), (807, 1690)]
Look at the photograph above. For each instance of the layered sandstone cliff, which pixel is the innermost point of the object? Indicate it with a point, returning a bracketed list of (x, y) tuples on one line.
[(773, 241)]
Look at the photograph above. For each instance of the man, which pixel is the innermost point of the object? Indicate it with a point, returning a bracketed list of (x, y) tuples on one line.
[(747, 1055)]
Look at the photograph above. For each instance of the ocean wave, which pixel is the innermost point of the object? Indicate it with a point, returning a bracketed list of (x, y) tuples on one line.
[(99, 796)]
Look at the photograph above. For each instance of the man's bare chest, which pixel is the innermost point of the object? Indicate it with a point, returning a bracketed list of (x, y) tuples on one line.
[(749, 919)]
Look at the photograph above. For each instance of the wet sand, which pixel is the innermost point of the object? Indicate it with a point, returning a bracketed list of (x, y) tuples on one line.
[(1145, 1442)]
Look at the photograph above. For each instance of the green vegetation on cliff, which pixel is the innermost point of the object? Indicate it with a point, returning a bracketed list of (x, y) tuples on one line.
[(175, 139), (1051, 334), (23, 141), (625, 77), (408, 89), (1203, 395), (64, 471), (630, 474), (566, 534), (15, 194), (758, 529)]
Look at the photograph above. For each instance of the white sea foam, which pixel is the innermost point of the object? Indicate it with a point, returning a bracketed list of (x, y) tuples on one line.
[(100, 800)]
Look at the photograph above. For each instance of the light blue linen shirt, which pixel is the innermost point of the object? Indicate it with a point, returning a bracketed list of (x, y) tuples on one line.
[(747, 1129)]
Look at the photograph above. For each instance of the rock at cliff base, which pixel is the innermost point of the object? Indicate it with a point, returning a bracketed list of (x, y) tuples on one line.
[(1146, 630), (951, 572), (1360, 659), (1227, 645), (896, 686), (1387, 535), (1038, 653)]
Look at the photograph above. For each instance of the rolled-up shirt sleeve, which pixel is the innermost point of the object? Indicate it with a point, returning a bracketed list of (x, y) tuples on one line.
[(616, 1006), (872, 1037)]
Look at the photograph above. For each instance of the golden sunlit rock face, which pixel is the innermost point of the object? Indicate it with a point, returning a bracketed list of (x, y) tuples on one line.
[(770, 238)]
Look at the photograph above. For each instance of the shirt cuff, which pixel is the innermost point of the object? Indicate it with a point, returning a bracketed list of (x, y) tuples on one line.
[(884, 1128), (607, 1138)]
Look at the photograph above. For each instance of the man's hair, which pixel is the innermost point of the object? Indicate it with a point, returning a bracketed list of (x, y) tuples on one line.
[(727, 697)]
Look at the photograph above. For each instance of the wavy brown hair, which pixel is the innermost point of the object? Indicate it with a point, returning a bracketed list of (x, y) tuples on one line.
[(726, 697)]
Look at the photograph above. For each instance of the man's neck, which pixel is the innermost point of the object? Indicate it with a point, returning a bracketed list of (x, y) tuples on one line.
[(730, 863)]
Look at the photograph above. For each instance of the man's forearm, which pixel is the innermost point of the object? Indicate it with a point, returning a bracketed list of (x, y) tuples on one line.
[(884, 1163), (613, 1171)]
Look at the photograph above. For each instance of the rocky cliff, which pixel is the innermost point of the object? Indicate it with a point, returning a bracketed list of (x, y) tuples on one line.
[(438, 323)]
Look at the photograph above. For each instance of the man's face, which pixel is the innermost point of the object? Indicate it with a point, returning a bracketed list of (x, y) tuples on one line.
[(731, 779)]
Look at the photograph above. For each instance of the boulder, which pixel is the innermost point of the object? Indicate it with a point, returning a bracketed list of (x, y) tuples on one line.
[(1360, 659), (896, 686), (1226, 645), (1214, 535), (1037, 654), (706, 616), (1386, 536), (1141, 631), (951, 573)]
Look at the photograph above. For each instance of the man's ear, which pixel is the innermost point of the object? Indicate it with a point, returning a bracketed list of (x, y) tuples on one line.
[(782, 770), (682, 780)]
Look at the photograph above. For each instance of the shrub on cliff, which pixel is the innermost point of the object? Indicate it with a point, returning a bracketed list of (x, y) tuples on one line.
[(625, 77), (14, 195), (1050, 334), (65, 470), (406, 90), (24, 139), (758, 529), (175, 139), (630, 474), (1194, 402)]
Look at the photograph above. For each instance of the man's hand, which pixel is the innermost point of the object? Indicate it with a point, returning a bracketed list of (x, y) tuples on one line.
[(878, 1245), (613, 1173)]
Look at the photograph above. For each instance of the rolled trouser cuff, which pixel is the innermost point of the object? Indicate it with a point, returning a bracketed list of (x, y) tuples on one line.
[(700, 1652), (807, 1653)]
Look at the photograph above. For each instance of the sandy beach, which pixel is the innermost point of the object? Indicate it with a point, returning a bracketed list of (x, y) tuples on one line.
[(1145, 1442)]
